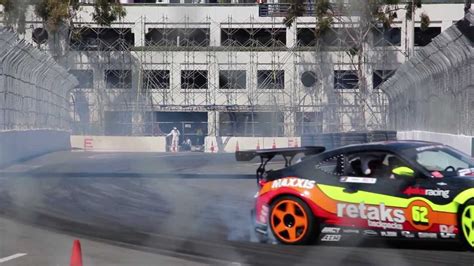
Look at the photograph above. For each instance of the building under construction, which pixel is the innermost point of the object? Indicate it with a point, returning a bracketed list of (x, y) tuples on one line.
[(231, 69)]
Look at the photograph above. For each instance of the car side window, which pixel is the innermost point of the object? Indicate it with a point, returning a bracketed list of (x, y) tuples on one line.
[(333, 165), (373, 164)]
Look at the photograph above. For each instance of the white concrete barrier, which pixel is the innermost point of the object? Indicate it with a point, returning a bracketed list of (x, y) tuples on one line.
[(20, 145), (119, 143), (460, 142), (231, 144)]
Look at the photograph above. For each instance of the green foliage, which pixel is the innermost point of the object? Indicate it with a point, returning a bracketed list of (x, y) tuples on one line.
[(381, 11), (15, 13), (323, 25), (410, 8), (296, 9), (324, 19), (108, 11), (55, 12), (425, 21), (322, 8)]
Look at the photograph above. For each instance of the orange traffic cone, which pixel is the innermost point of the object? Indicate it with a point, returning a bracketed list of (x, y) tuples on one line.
[(258, 144), (212, 146), (274, 145), (237, 146), (76, 256)]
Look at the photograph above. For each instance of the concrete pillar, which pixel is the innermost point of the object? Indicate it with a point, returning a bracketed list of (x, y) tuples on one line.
[(291, 36), (139, 31), (410, 37), (138, 125), (215, 34), (290, 120), (213, 123)]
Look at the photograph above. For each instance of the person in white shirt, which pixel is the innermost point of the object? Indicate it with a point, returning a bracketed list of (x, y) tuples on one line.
[(174, 138)]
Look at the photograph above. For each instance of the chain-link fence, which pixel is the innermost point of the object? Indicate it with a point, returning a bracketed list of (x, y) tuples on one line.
[(434, 90), (33, 87)]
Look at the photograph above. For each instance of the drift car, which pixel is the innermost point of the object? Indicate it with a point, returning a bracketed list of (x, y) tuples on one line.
[(400, 189)]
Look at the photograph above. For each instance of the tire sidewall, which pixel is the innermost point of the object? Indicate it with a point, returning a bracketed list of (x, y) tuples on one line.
[(310, 234), (462, 238)]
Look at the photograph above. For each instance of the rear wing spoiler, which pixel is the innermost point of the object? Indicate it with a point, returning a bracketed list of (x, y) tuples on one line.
[(267, 155), (287, 153)]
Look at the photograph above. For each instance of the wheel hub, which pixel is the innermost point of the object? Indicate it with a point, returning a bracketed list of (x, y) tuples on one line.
[(289, 220)]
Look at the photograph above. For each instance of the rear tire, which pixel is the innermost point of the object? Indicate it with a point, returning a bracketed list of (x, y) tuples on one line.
[(466, 224), (292, 222)]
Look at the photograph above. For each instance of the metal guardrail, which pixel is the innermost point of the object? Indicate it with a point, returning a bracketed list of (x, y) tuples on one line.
[(33, 87)]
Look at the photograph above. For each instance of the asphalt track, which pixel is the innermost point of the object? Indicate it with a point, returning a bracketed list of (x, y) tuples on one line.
[(191, 205)]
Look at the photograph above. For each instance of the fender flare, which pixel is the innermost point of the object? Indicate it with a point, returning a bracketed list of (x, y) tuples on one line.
[(464, 196)]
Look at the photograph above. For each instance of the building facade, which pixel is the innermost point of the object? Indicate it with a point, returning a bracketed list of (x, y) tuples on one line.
[(230, 69)]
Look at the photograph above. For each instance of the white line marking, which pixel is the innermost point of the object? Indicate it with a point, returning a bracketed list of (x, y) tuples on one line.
[(12, 257)]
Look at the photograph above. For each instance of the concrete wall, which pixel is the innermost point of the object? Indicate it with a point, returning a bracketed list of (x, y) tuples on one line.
[(119, 144), (20, 145), (460, 142), (230, 144), (158, 144)]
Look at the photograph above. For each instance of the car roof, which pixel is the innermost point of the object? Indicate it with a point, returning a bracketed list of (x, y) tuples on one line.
[(393, 146)]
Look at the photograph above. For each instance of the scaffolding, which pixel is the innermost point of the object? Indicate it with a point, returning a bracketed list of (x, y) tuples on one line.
[(255, 72)]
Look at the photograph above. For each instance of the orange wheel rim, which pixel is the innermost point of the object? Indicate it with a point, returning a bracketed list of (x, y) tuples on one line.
[(289, 221)]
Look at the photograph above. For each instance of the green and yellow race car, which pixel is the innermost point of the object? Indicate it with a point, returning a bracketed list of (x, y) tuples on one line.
[(399, 189)]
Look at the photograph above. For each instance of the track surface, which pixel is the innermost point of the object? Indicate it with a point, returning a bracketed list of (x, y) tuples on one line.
[(193, 205)]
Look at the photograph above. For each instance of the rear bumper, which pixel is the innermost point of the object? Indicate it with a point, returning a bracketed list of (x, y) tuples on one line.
[(261, 230)]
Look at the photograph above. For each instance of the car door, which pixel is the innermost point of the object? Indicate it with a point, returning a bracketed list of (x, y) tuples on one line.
[(373, 196), (370, 171), (398, 205)]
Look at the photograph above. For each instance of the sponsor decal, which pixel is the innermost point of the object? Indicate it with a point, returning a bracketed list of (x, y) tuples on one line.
[(389, 233), (408, 234), (384, 225), (420, 215), (331, 238), (447, 235), (427, 235), (376, 216), (330, 230), (359, 180), (426, 192), (351, 231), (466, 172), (370, 233), (294, 182), (447, 231)]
